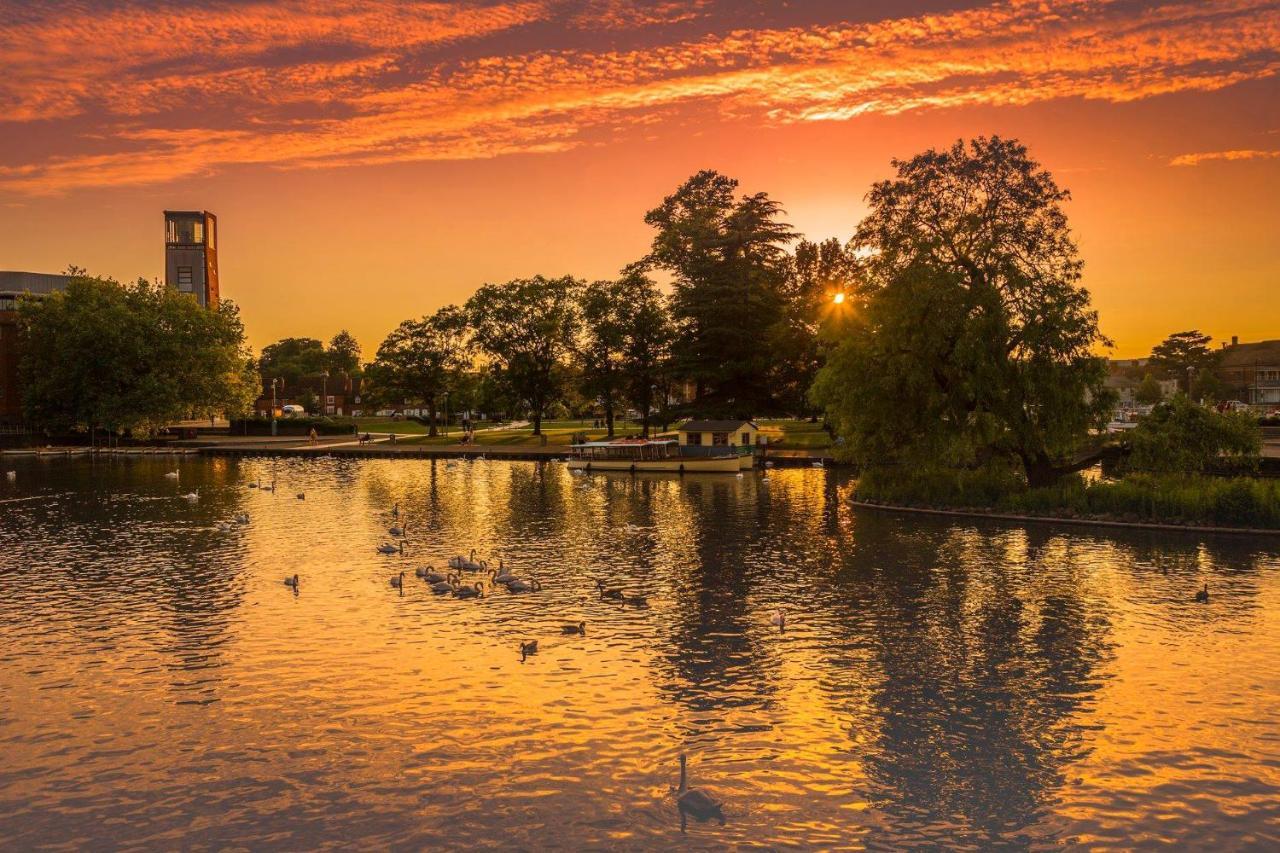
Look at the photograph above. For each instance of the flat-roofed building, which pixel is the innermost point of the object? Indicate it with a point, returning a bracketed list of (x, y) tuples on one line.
[(191, 254)]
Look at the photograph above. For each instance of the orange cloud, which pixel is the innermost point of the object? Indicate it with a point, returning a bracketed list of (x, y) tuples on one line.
[(1240, 154), (384, 90)]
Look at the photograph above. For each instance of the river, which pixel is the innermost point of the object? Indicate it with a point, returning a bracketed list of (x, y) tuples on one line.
[(938, 682)]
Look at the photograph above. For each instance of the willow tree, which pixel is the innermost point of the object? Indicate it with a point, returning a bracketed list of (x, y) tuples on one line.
[(971, 336)]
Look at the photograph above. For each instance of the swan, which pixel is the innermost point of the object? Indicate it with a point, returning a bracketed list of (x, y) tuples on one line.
[(395, 510), (608, 592), (580, 628), (528, 647), (502, 575), (253, 485), (636, 600), (11, 475), (696, 801), (1202, 596), (473, 565), (223, 527), (398, 581), (293, 582), (192, 496), (388, 548), (449, 584), (739, 475), (779, 618), (476, 591), (768, 464), (817, 464), (172, 475), (270, 487), (519, 585), (434, 576), (398, 529)]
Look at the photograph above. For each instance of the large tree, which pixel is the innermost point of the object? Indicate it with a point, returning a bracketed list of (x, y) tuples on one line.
[(972, 336), (817, 274), (1184, 355), (344, 354), (626, 337), (728, 263), (130, 357), (293, 359), (526, 328), (421, 359)]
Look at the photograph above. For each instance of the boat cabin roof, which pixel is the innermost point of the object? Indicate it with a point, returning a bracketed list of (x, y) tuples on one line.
[(627, 442)]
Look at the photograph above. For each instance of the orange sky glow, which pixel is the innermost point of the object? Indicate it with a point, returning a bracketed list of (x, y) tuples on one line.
[(372, 161)]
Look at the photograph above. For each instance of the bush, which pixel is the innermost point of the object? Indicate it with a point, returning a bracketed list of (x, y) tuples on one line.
[(292, 426), (1181, 437)]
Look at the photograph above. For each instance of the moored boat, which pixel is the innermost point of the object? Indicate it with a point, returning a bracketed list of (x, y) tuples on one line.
[(652, 454)]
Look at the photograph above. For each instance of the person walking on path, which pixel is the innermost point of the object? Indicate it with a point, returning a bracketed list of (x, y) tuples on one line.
[(312, 436)]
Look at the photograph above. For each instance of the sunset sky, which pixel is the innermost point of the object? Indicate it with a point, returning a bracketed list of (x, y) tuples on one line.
[(372, 161)]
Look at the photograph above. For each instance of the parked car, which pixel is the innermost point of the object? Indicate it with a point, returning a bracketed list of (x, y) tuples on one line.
[(292, 410)]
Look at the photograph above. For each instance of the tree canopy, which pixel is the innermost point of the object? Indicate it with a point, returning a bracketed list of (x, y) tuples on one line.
[(729, 267), (526, 329), (130, 357), (972, 335), (294, 359), (1184, 355), (421, 359), (1181, 437)]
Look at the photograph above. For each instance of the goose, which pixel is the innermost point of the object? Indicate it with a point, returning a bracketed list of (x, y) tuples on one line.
[(476, 591), (398, 581), (192, 496), (779, 618), (293, 582), (580, 628), (242, 518), (696, 801), (519, 585), (172, 475), (608, 592), (448, 585), (302, 496), (528, 647), (388, 548), (1202, 596)]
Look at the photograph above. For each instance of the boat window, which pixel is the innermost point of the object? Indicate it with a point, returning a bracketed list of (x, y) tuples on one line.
[(720, 439), (746, 439), (695, 438)]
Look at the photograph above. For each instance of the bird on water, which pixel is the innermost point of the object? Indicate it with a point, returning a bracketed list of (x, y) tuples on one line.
[(1202, 596), (696, 801)]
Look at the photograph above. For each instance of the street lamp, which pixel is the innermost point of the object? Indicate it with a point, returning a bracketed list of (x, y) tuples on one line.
[(446, 413), (324, 393), (273, 406)]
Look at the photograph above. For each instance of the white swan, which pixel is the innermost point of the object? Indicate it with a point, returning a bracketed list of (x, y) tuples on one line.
[(398, 529), (696, 801), (397, 581), (11, 475), (388, 548), (293, 582), (172, 475), (778, 618), (192, 496)]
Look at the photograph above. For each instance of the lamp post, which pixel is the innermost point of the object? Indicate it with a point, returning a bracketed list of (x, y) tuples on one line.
[(446, 413), (324, 393), (273, 406)]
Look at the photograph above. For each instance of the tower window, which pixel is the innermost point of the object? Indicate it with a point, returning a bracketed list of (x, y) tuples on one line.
[(184, 278)]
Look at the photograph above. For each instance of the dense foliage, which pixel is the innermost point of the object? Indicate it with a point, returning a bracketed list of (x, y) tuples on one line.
[(971, 336), (1181, 437), (420, 360), (294, 359), (1184, 356), (130, 357)]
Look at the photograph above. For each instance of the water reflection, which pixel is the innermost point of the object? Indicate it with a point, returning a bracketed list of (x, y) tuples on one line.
[(939, 683)]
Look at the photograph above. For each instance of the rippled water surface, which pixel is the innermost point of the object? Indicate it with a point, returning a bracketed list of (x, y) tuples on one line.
[(938, 683)]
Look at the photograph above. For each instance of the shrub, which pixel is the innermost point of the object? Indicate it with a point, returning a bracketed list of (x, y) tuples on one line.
[(1181, 437)]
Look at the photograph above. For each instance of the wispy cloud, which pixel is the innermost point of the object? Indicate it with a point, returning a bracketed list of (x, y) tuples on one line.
[(285, 85), (1237, 154)]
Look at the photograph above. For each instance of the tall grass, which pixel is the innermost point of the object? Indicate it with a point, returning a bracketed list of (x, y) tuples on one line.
[(1165, 498)]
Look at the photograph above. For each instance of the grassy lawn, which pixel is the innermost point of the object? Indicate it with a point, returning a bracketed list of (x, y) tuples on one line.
[(798, 435)]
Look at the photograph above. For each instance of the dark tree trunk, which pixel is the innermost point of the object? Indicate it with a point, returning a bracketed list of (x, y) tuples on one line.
[(646, 403), (608, 415), (1040, 470), (432, 432)]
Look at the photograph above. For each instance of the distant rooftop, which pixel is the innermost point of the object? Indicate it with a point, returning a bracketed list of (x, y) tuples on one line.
[(1250, 355), (14, 281), (714, 426)]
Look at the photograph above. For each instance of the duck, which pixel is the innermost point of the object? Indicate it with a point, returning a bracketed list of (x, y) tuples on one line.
[(608, 592), (580, 628), (778, 618), (242, 518), (172, 475), (302, 496), (192, 496), (696, 801), (388, 548), (519, 585), (476, 591), (448, 585), (528, 647), (1202, 596), (293, 582), (397, 581)]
